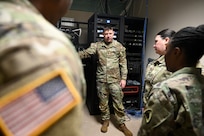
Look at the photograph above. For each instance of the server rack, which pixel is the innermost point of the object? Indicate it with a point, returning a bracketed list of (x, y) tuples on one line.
[(130, 32), (133, 39)]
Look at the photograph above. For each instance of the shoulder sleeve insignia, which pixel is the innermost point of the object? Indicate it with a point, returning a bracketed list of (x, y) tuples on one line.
[(31, 109)]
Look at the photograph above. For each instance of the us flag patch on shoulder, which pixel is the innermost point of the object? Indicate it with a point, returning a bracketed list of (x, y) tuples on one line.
[(31, 109)]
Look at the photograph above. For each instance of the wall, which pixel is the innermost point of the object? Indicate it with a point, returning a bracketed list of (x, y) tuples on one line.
[(81, 16), (173, 14), (81, 11)]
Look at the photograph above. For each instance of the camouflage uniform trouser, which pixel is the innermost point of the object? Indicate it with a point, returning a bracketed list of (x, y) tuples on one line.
[(113, 89)]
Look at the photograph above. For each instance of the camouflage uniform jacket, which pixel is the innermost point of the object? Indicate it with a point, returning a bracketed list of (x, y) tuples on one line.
[(112, 63), (174, 106), (155, 72), (29, 47)]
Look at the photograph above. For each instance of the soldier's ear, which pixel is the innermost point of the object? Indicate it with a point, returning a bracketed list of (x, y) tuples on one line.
[(167, 39), (177, 50)]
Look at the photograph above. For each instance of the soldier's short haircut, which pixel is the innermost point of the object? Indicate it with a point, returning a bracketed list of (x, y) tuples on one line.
[(107, 28)]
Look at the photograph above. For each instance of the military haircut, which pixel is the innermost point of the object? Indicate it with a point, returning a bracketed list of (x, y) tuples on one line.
[(107, 27)]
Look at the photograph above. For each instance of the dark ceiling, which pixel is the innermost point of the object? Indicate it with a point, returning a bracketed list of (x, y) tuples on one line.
[(114, 7)]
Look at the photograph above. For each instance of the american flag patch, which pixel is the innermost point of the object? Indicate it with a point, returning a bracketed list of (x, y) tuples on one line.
[(33, 108)]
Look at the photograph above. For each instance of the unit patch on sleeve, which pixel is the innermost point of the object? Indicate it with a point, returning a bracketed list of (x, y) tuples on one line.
[(31, 109)]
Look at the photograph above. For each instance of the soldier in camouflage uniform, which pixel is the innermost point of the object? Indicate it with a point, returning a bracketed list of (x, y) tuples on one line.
[(111, 77), (156, 70), (30, 46), (174, 106)]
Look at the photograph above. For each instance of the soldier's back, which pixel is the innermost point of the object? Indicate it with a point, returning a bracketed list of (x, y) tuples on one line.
[(30, 48)]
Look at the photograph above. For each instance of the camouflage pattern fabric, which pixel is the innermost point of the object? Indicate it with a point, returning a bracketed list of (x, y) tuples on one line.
[(201, 65), (111, 69), (155, 72), (30, 46), (104, 90), (174, 106), (112, 63)]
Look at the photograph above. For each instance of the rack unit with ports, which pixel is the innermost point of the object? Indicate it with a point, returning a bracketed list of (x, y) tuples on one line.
[(133, 38), (130, 32)]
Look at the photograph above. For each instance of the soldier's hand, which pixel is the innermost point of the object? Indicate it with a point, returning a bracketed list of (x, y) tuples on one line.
[(122, 83)]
